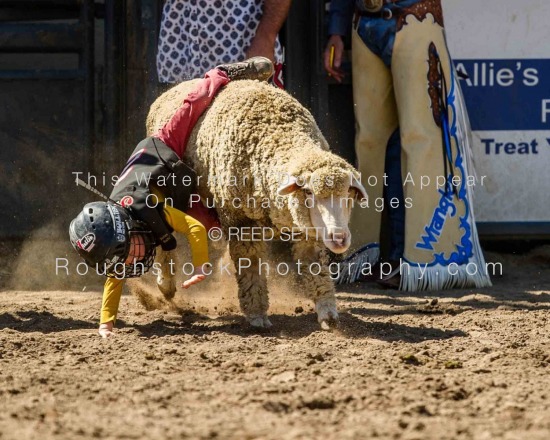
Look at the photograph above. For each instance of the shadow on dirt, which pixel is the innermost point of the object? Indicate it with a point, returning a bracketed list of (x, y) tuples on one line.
[(388, 331), (43, 322), (498, 296), (295, 327)]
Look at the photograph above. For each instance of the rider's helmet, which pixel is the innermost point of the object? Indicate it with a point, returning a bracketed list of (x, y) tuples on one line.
[(108, 239)]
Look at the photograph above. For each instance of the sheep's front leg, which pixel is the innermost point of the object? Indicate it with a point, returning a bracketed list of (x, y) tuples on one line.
[(319, 288), (166, 281), (252, 281)]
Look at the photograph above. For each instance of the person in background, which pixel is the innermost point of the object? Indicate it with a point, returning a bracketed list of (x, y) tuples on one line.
[(197, 35), (411, 125)]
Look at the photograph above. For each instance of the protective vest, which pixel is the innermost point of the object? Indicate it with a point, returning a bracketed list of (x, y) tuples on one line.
[(154, 164)]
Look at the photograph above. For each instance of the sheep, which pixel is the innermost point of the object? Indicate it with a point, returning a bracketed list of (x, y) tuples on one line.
[(256, 143)]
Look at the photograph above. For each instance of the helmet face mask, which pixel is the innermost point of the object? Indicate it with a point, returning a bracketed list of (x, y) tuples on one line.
[(140, 255), (109, 239)]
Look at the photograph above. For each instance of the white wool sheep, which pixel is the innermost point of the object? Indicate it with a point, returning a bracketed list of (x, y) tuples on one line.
[(258, 145)]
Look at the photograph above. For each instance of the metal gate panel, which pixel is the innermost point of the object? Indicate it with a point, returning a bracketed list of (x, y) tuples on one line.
[(47, 112)]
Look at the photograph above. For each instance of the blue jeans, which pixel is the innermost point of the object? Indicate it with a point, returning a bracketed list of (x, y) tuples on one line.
[(394, 190)]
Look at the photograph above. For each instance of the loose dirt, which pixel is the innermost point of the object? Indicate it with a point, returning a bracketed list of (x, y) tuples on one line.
[(462, 364)]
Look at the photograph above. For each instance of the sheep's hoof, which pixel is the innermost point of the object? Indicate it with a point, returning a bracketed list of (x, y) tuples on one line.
[(167, 286), (260, 322), (327, 315), (329, 324)]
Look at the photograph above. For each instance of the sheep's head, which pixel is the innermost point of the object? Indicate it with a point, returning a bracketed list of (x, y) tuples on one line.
[(321, 200)]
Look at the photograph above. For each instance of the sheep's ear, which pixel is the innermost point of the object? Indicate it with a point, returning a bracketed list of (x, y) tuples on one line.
[(357, 186), (288, 187)]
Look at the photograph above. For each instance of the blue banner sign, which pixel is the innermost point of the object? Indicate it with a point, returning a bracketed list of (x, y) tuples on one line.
[(507, 94)]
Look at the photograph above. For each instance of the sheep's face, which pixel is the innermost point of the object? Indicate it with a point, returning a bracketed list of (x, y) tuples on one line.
[(324, 202)]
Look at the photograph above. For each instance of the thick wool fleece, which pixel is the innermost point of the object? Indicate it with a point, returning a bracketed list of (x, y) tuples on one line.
[(250, 140), (257, 131)]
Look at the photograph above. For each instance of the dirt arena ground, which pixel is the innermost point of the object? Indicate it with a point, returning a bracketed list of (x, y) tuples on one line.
[(464, 364)]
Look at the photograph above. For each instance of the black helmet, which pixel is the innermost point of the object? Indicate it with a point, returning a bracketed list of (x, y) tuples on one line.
[(105, 234)]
